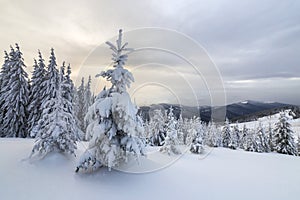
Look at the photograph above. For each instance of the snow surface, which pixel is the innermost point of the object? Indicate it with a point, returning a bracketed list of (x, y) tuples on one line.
[(219, 174)]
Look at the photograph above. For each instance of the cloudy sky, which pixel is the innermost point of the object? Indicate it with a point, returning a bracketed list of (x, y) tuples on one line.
[(252, 46)]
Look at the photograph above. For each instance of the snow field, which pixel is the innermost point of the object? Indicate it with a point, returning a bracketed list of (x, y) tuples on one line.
[(223, 174)]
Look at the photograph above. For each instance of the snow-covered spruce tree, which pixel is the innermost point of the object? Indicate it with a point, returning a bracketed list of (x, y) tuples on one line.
[(56, 130), (250, 144), (283, 138), (36, 94), (226, 134), (261, 140), (234, 137), (185, 130), (112, 120), (180, 129), (197, 142), (16, 97), (298, 145), (80, 110), (243, 137), (69, 94), (87, 102), (213, 135), (157, 134), (270, 137), (171, 142), (87, 95), (200, 130), (68, 85), (237, 134), (191, 130), (4, 78)]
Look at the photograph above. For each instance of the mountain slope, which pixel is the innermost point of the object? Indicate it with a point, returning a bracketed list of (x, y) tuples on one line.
[(241, 111)]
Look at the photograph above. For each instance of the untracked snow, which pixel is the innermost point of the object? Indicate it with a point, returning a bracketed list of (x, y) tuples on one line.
[(222, 174)]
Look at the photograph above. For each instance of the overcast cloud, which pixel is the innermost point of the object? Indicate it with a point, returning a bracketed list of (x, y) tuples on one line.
[(255, 44)]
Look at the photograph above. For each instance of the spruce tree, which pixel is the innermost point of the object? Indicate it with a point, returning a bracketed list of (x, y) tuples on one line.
[(37, 94), (250, 144), (81, 107), (198, 141), (261, 140), (171, 142), (197, 144), (298, 145), (56, 130), (157, 134), (69, 85), (283, 138), (234, 137), (87, 95), (191, 131), (4, 78), (185, 132), (226, 134), (16, 97), (270, 137), (115, 127), (180, 129), (244, 136)]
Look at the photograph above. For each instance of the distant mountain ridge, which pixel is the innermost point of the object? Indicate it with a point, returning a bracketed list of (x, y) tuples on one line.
[(242, 111)]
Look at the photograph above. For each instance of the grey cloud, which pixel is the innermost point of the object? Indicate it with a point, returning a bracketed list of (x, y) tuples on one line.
[(248, 40)]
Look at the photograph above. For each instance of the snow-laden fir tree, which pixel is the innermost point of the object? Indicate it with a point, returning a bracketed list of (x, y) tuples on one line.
[(298, 145), (261, 140), (88, 95), (187, 125), (180, 129), (4, 78), (69, 94), (197, 141), (243, 137), (250, 144), (226, 134), (157, 134), (234, 137), (69, 87), (191, 130), (56, 130), (283, 136), (197, 144), (214, 136), (200, 130), (16, 97), (112, 120), (270, 137), (36, 94), (88, 100), (171, 142), (80, 103)]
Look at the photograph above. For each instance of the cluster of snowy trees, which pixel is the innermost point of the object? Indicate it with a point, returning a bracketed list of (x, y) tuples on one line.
[(278, 137), (22, 99), (47, 106), (51, 109), (164, 130), (41, 107)]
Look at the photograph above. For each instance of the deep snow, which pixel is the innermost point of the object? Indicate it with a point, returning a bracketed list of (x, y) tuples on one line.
[(222, 174)]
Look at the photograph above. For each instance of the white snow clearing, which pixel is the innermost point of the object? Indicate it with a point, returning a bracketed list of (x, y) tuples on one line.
[(223, 174)]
